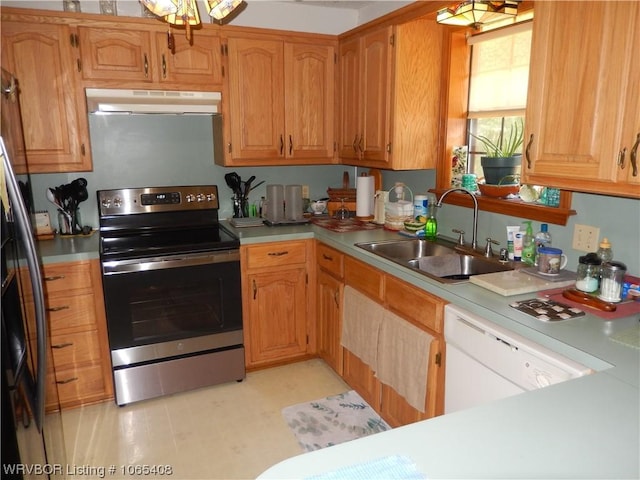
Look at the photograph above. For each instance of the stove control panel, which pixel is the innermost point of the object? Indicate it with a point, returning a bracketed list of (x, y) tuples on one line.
[(128, 201)]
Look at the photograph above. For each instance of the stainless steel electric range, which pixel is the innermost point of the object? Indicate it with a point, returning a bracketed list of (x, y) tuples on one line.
[(171, 280)]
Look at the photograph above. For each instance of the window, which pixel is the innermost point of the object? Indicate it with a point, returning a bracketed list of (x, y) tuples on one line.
[(486, 96), (497, 87)]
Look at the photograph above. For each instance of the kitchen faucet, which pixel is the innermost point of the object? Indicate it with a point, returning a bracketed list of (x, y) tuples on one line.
[(474, 241)]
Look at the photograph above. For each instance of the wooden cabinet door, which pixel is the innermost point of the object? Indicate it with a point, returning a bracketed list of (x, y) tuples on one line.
[(375, 84), (309, 98), (54, 117), (256, 96), (276, 315), (329, 313), (361, 378), (199, 64), (116, 54), (349, 117), (581, 66)]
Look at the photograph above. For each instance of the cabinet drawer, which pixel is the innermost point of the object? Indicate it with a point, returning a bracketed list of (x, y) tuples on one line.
[(330, 260), (414, 304), (80, 385), (63, 277), (75, 349), (276, 254), (70, 312), (367, 279)]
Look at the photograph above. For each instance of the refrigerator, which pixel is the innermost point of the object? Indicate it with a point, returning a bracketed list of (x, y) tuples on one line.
[(32, 437)]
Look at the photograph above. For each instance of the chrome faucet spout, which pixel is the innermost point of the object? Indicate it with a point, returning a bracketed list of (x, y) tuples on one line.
[(474, 239)]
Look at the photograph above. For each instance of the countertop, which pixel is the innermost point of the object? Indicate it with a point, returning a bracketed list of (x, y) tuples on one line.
[(584, 428)]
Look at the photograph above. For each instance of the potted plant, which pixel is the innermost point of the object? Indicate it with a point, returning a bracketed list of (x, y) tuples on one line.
[(501, 159)]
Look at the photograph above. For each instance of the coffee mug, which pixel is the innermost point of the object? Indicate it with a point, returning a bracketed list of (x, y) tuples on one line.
[(551, 260)]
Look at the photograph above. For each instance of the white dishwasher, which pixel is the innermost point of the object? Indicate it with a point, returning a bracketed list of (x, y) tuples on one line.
[(487, 362)]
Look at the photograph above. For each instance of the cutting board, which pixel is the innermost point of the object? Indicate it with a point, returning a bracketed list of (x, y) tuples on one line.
[(515, 283)]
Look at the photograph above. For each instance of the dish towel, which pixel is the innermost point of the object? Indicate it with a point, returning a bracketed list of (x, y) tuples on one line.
[(395, 467), (361, 319), (403, 359)]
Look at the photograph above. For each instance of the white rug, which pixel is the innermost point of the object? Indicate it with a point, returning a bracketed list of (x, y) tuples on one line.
[(332, 420)]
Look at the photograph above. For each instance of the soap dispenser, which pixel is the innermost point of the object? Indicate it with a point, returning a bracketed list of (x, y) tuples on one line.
[(528, 245)]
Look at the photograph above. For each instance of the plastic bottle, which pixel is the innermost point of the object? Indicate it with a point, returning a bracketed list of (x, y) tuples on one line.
[(605, 252), (528, 245), (431, 227), (542, 239)]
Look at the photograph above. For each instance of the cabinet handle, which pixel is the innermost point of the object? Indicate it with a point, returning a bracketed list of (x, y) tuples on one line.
[(527, 152), (281, 145), (62, 345), (355, 143), (327, 257), (336, 294), (54, 278), (82, 149), (164, 67), (68, 380), (278, 254), (290, 145), (146, 66), (634, 156), (621, 154), (79, 65), (360, 144), (57, 309), (255, 289)]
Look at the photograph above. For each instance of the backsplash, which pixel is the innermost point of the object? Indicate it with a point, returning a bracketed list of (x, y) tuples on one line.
[(183, 155)]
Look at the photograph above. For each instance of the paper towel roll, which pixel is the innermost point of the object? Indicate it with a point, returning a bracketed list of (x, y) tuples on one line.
[(365, 190)]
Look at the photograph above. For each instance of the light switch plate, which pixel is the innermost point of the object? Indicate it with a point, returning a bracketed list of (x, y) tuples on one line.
[(585, 238)]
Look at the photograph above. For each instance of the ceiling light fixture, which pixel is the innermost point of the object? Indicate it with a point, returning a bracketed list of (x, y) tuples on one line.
[(477, 12), (185, 12)]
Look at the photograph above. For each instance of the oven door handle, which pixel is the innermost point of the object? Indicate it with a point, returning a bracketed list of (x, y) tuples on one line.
[(113, 267)]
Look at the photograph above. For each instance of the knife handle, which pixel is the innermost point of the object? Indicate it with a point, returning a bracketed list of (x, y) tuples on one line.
[(586, 299)]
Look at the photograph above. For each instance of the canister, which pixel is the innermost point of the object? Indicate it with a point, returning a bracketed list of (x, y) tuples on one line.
[(611, 280), (420, 204), (588, 271)]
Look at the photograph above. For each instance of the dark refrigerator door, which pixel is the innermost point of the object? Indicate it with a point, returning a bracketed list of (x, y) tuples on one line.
[(38, 436)]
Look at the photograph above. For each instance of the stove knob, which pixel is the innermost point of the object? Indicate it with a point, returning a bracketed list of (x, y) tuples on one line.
[(106, 202), (190, 197), (211, 197), (200, 197), (117, 202)]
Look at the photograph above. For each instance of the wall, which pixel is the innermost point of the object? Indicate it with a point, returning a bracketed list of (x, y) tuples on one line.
[(286, 15)]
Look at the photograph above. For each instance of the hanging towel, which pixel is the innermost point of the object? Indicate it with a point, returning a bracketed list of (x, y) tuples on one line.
[(403, 359), (361, 318)]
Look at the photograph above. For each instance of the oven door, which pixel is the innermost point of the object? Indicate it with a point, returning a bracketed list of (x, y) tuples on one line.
[(173, 305)]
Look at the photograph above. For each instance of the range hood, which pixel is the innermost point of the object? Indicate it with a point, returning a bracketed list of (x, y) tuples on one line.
[(151, 101)]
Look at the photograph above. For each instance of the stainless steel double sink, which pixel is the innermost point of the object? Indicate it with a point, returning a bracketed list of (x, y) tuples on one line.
[(441, 260)]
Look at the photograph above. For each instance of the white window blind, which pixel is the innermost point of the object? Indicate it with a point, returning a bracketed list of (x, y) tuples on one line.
[(500, 72)]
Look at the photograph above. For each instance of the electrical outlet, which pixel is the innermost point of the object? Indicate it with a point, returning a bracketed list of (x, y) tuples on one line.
[(305, 191), (585, 238)]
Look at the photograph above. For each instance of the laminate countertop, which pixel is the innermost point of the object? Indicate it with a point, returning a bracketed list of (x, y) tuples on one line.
[(584, 428)]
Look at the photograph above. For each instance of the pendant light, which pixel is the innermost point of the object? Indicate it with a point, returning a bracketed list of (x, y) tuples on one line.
[(185, 12), (477, 12)]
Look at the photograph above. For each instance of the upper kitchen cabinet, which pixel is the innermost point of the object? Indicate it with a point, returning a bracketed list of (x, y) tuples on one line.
[(141, 57), (45, 62), (583, 121), (281, 100), (390, 81)]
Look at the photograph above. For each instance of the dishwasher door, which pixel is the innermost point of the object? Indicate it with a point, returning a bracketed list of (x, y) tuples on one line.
[(486, 362)]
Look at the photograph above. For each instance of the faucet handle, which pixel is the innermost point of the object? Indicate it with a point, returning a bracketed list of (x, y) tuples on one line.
[(460, 235), (488, 251)]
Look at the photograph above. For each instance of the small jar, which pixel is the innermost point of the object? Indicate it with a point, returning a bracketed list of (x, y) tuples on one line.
[(611, 280), (588, 273)]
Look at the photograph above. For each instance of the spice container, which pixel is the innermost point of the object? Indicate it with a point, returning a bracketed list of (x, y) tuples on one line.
[(611, 280), (588, 273)]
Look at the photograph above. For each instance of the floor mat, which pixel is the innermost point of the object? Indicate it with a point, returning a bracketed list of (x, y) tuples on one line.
[(332, 420)]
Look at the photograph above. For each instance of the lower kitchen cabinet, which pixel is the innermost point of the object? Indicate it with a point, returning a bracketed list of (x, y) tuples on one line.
[(421, 309), (329, 308), (276, 310), (79, 366)]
